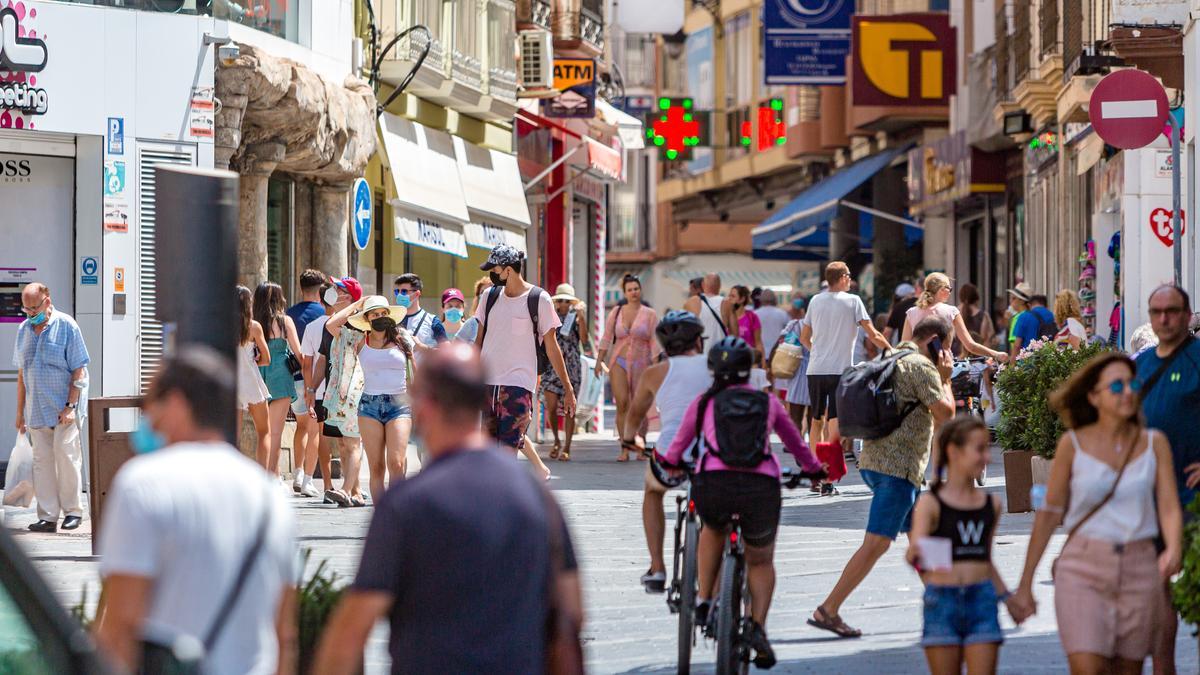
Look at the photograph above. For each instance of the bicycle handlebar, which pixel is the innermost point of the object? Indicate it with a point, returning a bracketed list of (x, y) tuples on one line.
[(791, 479)]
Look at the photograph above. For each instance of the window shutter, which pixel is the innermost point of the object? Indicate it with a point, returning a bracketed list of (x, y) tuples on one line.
[(150, 332)]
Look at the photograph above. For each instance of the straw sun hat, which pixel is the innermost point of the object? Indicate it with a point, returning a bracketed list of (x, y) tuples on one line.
[(372, 303)]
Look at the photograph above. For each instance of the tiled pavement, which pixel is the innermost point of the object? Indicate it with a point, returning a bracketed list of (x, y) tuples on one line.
[(630, 631)]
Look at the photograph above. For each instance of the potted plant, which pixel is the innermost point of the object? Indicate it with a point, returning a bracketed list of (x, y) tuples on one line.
[(1185, 591), (1029, 430)]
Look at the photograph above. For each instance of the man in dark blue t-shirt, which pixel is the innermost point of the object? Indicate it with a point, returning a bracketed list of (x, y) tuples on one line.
[(1171, 404), (462, 559), (309, 307), (1036, 323)]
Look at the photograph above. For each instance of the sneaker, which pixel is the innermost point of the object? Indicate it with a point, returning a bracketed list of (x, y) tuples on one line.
[(308, 489), (654, 582), (827, 490), (700, 616), (298, 482), (764, 656)]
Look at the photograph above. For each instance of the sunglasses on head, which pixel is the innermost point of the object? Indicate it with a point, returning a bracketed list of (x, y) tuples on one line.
[(1118, 387)]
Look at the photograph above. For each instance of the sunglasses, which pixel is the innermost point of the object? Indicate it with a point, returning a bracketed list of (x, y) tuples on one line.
[(400, 291), (1118, 387)]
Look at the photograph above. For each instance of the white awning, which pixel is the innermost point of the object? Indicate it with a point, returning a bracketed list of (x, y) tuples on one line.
[(488, 235), (491, 184), (424, 170), (438, 235), (629, 128)]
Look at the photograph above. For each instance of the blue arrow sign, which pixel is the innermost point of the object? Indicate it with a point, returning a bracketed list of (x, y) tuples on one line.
[(360, 215)]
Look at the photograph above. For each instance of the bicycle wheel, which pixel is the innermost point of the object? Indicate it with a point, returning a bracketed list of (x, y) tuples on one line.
[(687, 596), (729, 616)]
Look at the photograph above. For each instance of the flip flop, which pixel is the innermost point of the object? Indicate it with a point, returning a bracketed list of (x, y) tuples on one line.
[(564, 456), (554, 452), (834, 624)]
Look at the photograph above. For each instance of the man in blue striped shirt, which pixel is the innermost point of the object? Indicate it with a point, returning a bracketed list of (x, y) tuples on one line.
[(51, 361)]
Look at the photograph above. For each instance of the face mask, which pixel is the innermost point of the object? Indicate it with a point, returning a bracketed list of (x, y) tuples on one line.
[(383, 323), (495, 277), (454, 315), (331, 296), (145, 439), (38, 319), (402, 299)]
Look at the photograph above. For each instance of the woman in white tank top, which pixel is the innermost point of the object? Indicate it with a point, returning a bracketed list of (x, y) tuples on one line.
[(1112, 484), (934, 301)]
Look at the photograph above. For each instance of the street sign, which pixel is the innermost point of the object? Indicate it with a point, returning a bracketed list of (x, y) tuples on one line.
[(806, 41), (1128, 109), (360, 215)]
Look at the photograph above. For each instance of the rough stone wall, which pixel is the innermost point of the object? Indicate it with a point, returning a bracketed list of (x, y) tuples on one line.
[(328, 128)]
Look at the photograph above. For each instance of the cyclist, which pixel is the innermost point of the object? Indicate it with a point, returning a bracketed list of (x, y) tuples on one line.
[(736, 473), (671, 384)]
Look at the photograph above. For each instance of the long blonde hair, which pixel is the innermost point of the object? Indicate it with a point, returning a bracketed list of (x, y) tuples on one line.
[(934, 282), (1066, 306)]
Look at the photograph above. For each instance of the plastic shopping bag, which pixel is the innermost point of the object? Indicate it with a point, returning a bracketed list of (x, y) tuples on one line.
[(18, 481), (591, 392)]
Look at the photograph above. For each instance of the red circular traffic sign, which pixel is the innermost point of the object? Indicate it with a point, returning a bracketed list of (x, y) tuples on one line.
[(1128, 109)]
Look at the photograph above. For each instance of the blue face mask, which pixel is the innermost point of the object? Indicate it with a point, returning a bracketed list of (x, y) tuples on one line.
[(402, 299), (145, 439), (38, 319), (454, 315)]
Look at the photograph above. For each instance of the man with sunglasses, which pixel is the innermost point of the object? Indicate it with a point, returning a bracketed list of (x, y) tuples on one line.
[(51, 361), (426, 327), (1169, 379)]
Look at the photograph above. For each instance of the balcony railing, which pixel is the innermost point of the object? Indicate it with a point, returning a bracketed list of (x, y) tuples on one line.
[(281, 19), (468, 44), (628, 231), (1048, 24), (635, 56)]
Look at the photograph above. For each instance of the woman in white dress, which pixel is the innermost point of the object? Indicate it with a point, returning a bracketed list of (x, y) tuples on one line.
[(1069, 317), (252, 390)]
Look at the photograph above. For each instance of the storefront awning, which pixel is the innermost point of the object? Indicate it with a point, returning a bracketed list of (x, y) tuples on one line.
[(816, 208), (812, 243), (491, 184), (424, 170), (487, 235), (773, 279), (629, 128), (585, 154), (438, 235)]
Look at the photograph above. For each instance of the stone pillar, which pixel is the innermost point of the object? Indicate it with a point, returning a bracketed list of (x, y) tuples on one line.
[(304, 225), (257, 165), (330, 228)]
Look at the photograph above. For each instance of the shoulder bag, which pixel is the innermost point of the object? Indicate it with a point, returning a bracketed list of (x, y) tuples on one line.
[(1099, 505), (186, 656)]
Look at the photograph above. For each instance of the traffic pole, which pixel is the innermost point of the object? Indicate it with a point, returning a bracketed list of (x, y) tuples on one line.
[(1176, 198)]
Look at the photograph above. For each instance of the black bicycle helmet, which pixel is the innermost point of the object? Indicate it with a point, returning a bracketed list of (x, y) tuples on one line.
[(730, 358), (678, 330)]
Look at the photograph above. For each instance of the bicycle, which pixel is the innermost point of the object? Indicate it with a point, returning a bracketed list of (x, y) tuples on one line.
[(966, 381), (733, 595), (681, 594)]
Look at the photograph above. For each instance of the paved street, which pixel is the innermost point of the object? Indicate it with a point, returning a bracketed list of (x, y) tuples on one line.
[(630, 631)]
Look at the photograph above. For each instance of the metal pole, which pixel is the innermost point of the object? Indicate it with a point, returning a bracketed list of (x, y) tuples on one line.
[(1176, 198)]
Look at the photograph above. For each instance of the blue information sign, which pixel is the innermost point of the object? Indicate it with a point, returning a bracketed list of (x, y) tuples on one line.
[(360, 215), (807, 41)]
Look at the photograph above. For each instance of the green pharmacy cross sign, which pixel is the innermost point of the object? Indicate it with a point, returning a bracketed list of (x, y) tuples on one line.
[(677, 128)]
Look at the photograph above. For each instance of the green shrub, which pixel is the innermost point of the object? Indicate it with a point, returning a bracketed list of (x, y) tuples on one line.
[(317, 598), (1186, 589), (1026, 420)]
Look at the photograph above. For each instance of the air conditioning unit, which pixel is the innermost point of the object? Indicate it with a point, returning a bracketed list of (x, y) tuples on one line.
[(537, 64)]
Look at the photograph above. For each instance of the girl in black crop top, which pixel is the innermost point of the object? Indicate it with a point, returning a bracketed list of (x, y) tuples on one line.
[(962, 623)]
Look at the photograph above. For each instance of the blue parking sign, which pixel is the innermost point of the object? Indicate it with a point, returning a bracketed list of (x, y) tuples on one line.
[(116, 135)]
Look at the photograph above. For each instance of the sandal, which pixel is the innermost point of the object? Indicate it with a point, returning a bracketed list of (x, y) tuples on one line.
[(833, 623), (555, 450), (626, 448), (358, 501), (337, 497), (564, 456)]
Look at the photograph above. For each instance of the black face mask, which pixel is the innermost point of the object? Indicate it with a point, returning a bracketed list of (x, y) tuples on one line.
[(383, 323), (495, 277)]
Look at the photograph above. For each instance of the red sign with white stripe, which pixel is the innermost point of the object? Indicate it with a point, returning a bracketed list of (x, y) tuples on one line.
[(1128, 109)]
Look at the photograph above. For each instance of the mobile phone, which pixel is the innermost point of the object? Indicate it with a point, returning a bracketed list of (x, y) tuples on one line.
[(935, 348)]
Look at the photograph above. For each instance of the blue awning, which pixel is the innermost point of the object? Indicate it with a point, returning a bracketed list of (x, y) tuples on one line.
[(800, 230)]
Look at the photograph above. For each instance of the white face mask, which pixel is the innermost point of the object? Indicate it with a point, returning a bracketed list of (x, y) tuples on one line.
[(331, 296)]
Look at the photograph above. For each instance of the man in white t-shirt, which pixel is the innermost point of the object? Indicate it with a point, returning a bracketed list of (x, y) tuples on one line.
[(830, 331), (196, 543), (709, 307), (314, 391), (508, 346), (772, 319)]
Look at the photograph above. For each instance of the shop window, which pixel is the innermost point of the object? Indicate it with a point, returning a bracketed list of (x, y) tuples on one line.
[(739, 61), (280, 18), (281, 249)]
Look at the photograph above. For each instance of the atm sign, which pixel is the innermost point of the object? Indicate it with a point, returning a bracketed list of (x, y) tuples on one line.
[(573, 72)]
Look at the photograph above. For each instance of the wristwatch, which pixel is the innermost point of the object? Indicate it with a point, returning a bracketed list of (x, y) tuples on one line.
[(72, 406), (310, 390)]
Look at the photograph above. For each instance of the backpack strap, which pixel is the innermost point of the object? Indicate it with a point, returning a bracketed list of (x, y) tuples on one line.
[(535, 295), (720, 321), (1166, 364), (492, 296)]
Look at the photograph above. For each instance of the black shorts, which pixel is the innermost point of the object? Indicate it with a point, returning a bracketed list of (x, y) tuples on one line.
[(753, 496), (327, 430), (822, 392)]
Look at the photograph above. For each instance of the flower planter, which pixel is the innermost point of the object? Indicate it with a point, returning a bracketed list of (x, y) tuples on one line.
[(1040, 468), (1018, 478)]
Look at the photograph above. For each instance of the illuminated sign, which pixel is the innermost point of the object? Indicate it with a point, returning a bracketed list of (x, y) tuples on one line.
[(904, 59), (677, 127), (576, 79), (771, 129)]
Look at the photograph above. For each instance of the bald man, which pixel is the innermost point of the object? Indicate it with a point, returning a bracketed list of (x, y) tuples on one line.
[(51, 361), (709, 306)]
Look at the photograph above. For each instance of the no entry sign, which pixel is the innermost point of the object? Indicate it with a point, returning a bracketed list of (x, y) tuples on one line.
[(1128, 109)]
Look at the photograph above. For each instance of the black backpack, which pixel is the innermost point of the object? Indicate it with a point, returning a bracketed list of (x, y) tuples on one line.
[(741, 421), (1046, 329), (535, 294), (867, 403)]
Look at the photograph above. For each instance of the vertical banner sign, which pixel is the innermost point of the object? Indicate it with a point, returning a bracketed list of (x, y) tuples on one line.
[(701, 87), (576, 79), (806, 41)]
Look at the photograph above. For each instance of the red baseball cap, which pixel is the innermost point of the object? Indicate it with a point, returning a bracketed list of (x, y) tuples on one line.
[(350, 285), (453, 294)]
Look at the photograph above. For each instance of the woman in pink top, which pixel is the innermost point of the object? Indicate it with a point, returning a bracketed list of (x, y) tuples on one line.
[(738, 313), (751, 491), (934, 302), (628, 349)]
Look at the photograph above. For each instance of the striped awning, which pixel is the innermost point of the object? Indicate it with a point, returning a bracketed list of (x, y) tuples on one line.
[(778, 281)]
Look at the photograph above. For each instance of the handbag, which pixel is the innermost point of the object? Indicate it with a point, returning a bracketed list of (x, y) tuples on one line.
[(185, 655), (785, 362), (564, 651), (293, 364)]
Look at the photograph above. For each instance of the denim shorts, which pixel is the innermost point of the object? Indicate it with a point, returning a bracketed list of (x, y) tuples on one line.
[(892, 505), (961, 615), (383, 408)]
